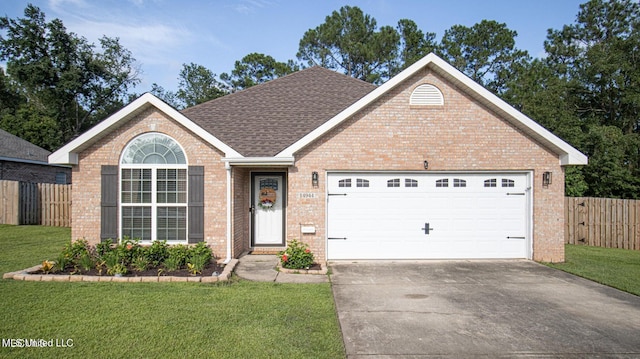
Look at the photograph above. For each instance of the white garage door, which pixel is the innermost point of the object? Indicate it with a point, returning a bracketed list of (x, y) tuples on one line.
[(427, 216)]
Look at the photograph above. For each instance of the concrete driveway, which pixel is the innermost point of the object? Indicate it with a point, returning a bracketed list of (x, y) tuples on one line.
[(489, 309)]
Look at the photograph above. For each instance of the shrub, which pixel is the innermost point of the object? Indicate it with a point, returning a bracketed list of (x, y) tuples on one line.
[(157, 252), (171, 264), (200, 250), (103, 248), (197, 263), (62, 262), (85, 262), (128, 250), (118, 268), (140, 263), (296, 256), (179, 254), (75, 250)]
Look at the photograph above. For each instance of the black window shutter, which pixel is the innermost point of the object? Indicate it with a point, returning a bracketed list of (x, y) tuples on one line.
[(109, 203), (196, 204)]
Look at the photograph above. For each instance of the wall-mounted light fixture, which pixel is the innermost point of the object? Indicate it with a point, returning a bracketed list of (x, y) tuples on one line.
[(426, 164), (546, 179), (314, 179)]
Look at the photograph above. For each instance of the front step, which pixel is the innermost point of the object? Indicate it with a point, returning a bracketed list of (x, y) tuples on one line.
[(266, 251)]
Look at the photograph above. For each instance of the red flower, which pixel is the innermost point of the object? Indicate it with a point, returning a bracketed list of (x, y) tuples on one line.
[(307, 250), (284, 258), (129, 246)]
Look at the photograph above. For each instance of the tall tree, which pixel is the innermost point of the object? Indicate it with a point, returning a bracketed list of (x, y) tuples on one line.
[(485, 52), (255, 69), (349, 41), (196, 84), (61, 75), (414, 44), (599, 57)]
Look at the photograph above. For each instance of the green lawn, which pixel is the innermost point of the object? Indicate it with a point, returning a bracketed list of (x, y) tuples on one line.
[(239, 319), (618, 268)]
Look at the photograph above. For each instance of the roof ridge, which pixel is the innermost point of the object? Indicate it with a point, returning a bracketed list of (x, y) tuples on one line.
[(270, 83)]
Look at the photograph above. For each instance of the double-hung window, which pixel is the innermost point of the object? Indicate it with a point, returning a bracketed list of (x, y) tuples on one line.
[(153, 190)]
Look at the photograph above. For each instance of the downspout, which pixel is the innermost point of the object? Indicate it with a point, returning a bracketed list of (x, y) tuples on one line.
[(228, 168)]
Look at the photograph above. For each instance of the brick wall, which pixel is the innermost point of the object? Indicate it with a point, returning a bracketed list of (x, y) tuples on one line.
[(107, 151), (31, 172), (241, 204), (461, 135)]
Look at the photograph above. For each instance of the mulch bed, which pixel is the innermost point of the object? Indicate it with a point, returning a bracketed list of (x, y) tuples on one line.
[(314, 266), (153, 272)]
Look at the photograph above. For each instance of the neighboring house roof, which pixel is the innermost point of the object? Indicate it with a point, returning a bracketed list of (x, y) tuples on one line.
[(265, 119), (568, 154), (14, 148)]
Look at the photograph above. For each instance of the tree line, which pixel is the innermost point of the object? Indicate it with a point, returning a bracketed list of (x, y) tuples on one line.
[(585, 89)]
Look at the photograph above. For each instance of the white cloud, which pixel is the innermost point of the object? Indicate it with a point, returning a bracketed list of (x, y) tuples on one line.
[(250, 6)]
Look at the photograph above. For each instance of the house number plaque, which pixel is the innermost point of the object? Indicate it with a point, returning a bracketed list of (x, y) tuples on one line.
[(307, 195)]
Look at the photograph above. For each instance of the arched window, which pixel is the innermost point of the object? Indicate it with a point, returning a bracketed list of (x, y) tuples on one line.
[(153, 189)]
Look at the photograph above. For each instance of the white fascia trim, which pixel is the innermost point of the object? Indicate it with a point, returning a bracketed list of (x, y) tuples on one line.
[(568, 154), (68, 154), (259, 161)]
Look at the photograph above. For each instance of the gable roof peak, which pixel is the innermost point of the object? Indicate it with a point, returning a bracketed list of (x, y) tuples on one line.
[(568, 154)]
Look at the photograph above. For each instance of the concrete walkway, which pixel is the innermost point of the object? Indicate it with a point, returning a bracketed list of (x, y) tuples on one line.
[(262, 268)]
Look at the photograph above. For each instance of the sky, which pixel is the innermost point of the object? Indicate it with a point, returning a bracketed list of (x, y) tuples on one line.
[(164, 34)]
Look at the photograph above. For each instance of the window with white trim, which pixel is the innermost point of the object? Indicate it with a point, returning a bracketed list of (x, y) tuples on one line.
[(153, 189)]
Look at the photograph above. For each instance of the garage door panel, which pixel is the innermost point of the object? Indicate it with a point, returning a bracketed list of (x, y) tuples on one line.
[(384, 222)]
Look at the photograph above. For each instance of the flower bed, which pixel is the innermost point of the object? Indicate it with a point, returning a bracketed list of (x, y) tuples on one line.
[(128, 261), (31, 274)]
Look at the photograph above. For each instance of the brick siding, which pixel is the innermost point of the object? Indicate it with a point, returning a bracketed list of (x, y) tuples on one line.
[(107, 151), (461, 135), (32, 172)]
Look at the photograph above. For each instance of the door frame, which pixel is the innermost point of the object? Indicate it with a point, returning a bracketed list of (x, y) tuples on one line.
[(253, 205)]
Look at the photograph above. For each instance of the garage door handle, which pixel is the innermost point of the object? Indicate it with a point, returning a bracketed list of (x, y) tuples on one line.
[(336, 194), (337, 238), (515, 194), (426, 228)]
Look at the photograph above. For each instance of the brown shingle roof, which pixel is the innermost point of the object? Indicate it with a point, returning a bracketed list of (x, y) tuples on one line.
[(15, 147), (265, 119)]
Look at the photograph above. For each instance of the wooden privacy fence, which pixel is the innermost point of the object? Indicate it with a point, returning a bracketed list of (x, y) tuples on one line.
[(35, 203), (602, 222)]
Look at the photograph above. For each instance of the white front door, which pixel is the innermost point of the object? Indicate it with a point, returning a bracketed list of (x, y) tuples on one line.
[(267, 204)]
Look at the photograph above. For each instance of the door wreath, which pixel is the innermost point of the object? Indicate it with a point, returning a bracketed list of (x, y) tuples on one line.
[(267, 198)]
